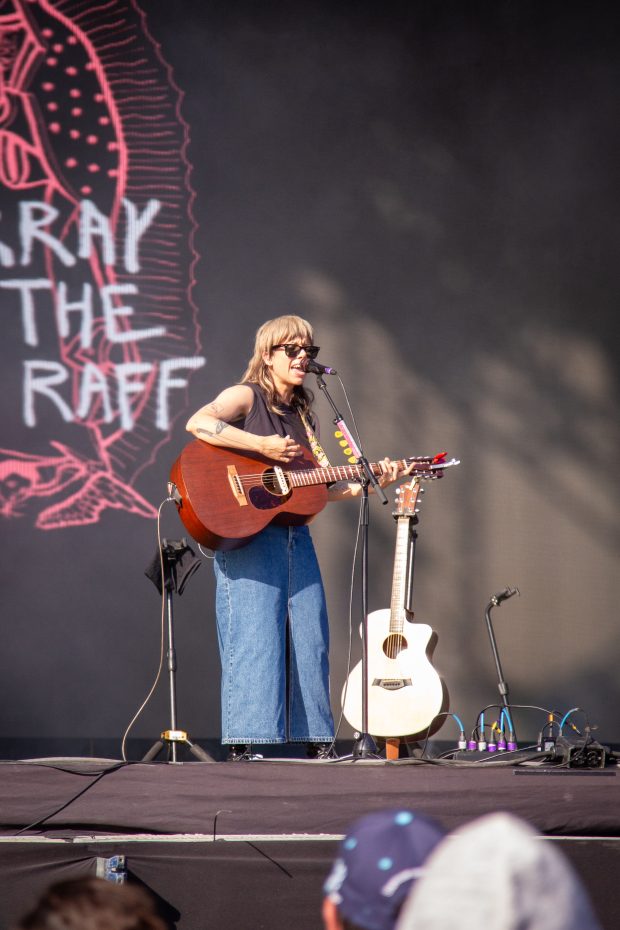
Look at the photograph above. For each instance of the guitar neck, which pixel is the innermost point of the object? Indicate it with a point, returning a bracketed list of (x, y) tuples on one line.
[(331, 473), (399, 580)]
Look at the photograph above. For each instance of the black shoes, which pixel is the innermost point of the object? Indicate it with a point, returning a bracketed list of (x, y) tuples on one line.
[(314, 751), (242, 754), (320, 751)]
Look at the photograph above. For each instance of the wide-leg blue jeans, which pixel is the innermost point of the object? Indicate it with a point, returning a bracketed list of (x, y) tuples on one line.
[(274, 640)]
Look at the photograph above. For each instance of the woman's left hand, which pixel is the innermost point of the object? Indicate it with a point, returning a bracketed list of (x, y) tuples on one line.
[(391, 471)]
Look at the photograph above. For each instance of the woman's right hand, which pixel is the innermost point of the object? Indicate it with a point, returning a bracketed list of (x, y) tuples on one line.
[(280, 448)]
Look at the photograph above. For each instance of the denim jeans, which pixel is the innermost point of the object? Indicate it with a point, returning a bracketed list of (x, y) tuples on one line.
[(274, 639)]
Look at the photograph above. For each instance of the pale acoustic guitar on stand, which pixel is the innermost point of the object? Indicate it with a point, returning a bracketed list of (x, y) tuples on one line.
[(405, 692)]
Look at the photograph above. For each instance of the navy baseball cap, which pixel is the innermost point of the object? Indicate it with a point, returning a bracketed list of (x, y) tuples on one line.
[(379, 859)]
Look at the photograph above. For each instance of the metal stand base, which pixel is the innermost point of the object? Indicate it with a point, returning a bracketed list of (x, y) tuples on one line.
[(170, 739), (365, 747)]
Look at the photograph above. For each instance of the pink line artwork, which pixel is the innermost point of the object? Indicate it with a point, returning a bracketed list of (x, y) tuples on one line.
[(96, 256)]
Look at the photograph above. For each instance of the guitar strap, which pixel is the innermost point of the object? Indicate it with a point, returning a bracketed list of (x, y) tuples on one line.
[(317, 449)]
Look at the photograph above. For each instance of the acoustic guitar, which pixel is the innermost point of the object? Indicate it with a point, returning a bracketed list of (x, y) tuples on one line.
[(225, 498), (405, 692)]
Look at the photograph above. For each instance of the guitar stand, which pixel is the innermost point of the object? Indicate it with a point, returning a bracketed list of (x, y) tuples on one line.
[(392, 748), (172, 552)]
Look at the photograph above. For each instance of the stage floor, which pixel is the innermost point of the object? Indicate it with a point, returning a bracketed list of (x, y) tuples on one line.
[(223, 841), (297, 797)]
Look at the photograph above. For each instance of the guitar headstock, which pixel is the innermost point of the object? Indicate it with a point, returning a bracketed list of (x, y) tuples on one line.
[(407, 498), (430, 467)]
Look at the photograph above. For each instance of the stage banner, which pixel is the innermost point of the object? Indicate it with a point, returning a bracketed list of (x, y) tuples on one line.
[(99, 332)]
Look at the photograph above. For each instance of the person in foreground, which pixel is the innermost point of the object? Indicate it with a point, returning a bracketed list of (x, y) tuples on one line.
[(379, 860), (497, 874), (93, 904), (270, 603)]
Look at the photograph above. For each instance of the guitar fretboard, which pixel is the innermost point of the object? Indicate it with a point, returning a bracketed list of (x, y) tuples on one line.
[(306, 477), (399, 580)]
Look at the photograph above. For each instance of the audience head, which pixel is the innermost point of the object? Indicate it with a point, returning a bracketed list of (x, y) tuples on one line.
[(93, 904), (378, 860), (497, 874)]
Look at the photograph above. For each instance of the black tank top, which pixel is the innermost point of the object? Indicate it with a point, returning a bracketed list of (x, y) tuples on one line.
[(264, 422)]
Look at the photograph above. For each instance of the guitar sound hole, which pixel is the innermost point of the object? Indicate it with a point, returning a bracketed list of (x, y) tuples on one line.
[(263, 499), (394, 644), (272, 485)]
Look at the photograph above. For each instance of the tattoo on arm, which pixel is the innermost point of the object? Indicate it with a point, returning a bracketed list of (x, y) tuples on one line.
[(220, 426)]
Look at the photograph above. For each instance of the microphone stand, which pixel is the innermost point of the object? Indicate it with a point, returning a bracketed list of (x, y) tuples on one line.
[(364, 746), (171, 554), (502, 684)]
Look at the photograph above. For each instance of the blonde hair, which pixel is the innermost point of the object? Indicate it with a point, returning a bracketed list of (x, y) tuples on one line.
[(282, 329)]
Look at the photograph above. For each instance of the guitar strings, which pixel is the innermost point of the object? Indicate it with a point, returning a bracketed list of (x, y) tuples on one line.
[(258, 476)]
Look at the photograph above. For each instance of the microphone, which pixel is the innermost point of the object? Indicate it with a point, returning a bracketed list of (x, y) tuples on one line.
[(315, 368), (504, 595)]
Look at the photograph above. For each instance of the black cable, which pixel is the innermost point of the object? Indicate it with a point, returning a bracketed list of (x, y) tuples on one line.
[(68, 770), (62, 807), (501, 761), (545, 710), (442, 713), (332, 748), (162, 639)]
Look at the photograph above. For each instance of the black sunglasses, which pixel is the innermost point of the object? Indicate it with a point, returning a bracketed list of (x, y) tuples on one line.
[(292, 351)]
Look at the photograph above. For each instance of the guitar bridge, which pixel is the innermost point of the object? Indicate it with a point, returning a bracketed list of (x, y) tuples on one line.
[(236, 486), (392, 684)]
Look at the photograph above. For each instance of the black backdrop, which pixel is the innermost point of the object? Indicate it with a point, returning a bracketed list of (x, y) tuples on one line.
[(434, 186)]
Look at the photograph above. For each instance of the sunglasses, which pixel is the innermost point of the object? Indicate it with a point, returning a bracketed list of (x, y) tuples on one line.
[(292, 351)]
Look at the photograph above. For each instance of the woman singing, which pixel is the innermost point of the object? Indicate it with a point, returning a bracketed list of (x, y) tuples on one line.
[(270, 604)]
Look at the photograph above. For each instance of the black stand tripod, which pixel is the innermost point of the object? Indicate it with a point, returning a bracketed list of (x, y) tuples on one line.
[(173, 552), (364, 746)]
